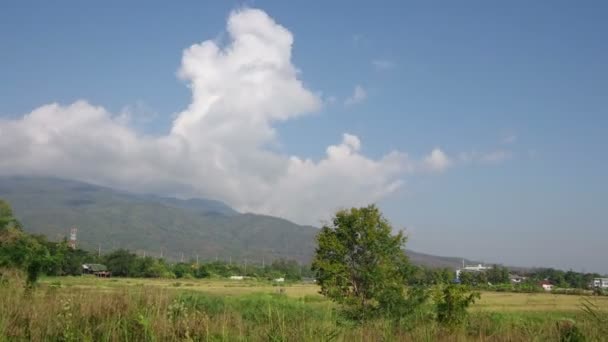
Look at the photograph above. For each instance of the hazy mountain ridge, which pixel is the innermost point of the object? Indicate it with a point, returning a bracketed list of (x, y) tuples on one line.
[(115, 219)]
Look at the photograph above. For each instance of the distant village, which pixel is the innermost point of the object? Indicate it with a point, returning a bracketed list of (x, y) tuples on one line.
[(545, 284)]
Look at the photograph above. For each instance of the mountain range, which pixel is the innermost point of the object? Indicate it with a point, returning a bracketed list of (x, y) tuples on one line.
[(109, 219)]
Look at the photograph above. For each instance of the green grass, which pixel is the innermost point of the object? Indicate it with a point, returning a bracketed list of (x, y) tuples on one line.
[(92, 309)]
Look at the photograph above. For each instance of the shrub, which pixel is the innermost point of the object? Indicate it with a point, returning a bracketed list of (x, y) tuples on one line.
[(451, 304)]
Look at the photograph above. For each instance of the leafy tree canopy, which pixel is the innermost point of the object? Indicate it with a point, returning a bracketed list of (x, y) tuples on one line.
[(7, 219), (360, 263)]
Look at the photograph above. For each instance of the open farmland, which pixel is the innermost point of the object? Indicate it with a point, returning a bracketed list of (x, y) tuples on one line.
[(489, 302), (87, 308)]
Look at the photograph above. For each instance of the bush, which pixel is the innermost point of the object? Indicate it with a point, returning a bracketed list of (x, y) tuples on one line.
[(451, 304)]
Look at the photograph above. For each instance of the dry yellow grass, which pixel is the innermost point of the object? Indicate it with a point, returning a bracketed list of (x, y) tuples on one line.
[(118, 309), (533, 302), (210, 286), (490, 301)]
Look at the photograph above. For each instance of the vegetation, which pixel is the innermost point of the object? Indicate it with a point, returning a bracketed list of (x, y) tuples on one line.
[(93, 309), (360, 266), (36, 255), (359, 263), (451, 304), (139, 223)]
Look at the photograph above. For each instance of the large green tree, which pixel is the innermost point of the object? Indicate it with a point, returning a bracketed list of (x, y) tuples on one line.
[(18, 249), (361, 264), (7, 219), (121, 263)]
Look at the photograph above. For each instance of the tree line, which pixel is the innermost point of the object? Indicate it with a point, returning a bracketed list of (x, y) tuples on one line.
[(36, 255)]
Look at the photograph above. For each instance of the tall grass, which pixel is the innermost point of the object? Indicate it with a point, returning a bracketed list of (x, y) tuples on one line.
[(152, 313)]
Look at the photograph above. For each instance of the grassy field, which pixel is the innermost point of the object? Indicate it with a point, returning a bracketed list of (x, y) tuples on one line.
[(222, 287), (490, 301), (92, 309)]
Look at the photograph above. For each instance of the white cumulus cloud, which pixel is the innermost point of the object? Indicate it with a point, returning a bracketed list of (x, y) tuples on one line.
[(217, 146), (437, 161), (359, 95)]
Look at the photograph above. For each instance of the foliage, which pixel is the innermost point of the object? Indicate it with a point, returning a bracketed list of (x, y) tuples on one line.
[(594, 314), (18, 249), (121, 263), (360, 264), (451, 304), (90, 309), (148, 223), (497, 275), (7, 219)]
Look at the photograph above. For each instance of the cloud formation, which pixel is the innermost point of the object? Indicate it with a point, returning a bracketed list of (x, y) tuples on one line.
[(359, 95), (217, 146), (437, 161)]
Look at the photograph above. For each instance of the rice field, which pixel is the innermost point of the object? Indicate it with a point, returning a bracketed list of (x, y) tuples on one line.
[(117, 309), (490, 301)]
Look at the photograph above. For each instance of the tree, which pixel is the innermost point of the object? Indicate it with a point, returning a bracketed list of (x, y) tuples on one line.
[(183, 270), (467, 278), (451, 303), (121, 263), (23, 251), (290, 269), (498, 275), (7, 219), (360, 264)]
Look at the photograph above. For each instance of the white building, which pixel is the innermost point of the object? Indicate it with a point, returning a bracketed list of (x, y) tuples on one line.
[(516, 279), (601, 283), (236, 277), (546, 285), (471, 268), (280, 280)]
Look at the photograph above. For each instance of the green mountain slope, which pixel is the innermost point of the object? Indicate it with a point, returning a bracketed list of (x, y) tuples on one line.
[(112, 219)]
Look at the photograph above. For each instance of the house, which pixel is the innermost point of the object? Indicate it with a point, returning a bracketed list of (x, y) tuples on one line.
[(98, 270), (546, 285), (236, 277), (516, 279), (599, 283), (279, 280)]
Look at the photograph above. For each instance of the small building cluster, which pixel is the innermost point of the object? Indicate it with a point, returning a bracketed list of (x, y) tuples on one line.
[(516, 279), (470, 268), (97, 270), (546, 285), (599, 283)]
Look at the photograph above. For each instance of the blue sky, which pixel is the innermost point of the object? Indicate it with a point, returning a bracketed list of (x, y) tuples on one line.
[(513, 93)]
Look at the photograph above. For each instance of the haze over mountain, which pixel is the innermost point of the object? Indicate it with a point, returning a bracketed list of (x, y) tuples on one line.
[(116, 219)]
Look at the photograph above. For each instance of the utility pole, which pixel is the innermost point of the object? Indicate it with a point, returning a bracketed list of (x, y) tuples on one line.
[(99, 251), (182, 259), (197, 260)]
